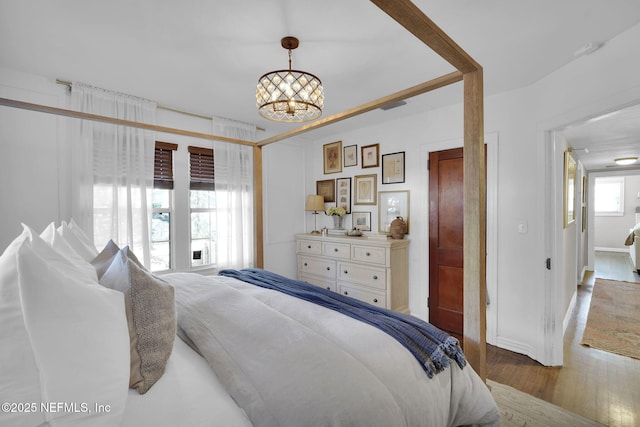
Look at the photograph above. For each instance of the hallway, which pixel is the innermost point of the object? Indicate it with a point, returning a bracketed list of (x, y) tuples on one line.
[(595, 384)]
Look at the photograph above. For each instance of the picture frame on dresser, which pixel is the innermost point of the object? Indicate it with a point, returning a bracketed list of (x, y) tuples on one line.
[(365, 189), (361, 220), (392, 204)]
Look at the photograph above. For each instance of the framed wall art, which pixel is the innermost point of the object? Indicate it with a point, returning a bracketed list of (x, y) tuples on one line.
[(370, 156), (327, 189), (569, 189), (365, 189), (343, 193), (350, 155), (361, 220), (392, 204), (332, 157), (393, 168)]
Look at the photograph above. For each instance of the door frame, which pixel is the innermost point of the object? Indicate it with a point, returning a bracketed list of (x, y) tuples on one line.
[(491, 142)]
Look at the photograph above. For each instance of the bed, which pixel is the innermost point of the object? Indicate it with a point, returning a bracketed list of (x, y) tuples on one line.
[(93, 338)]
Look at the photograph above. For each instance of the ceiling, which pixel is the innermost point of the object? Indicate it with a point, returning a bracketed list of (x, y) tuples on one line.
[(206, 56)]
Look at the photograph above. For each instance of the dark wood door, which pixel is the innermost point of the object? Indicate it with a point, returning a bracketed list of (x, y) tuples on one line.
[(446, 225)]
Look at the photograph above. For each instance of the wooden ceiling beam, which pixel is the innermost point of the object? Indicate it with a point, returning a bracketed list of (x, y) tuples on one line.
[(104, 119), (417, 23), (428, 86)]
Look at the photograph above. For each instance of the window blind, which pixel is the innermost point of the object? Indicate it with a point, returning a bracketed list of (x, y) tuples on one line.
[(163, 165), (201, 170)]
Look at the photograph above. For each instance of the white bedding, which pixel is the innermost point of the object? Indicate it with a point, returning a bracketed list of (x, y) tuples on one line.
[(289, 362), (188, 395)]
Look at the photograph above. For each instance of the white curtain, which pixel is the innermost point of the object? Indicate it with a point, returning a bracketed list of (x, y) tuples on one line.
[(233, 165), (113, 169)]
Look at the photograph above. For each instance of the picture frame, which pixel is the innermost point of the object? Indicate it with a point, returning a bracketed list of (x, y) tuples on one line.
[(332, 157), (327, 189), (393, 168), (361, 220), (365, 189), (392, 204), (570, 168), (370, 156), (350, 156), (343, 193)]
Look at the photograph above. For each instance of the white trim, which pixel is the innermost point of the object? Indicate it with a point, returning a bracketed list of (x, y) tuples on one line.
[(601, 248), (569, 313), (516, 346)]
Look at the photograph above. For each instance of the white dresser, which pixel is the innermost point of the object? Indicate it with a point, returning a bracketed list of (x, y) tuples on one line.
[(369, 269)]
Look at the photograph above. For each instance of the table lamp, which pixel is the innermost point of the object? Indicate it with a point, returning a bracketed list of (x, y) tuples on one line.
[(315, 203)]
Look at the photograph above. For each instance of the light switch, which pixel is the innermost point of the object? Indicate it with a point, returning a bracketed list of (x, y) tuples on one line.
[(523, 228)]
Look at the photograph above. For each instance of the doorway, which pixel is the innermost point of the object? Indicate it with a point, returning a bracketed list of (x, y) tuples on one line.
[(491, 154)]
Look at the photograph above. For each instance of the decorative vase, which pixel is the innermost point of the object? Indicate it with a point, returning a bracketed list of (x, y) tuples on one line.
[(398, 228), (338, 222)]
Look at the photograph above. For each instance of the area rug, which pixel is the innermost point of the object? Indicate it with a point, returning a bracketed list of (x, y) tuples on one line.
[(519, 409), (613, 322)]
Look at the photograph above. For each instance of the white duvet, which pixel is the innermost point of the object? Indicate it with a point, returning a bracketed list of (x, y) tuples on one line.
[(288, 362)]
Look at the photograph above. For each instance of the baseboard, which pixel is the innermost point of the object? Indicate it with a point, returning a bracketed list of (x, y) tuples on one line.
[(603, 249), (569, 313), (516, 347)]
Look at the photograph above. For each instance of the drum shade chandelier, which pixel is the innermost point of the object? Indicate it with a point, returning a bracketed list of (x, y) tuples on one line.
[(289, 95)]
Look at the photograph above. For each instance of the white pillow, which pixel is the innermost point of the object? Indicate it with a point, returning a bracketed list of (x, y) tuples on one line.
[(51, 236), (19, 374), (56, 259), (86, 250), (79, 232), (79, 338)]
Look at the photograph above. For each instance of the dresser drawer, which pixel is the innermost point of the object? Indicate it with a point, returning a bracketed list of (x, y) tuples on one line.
[(321, 282), (309, 247), (336, 250), (317, 266), (362, 295), (368, 276), (369, 254)]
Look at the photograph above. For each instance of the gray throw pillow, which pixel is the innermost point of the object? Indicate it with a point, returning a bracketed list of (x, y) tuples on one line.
[(151, 317)]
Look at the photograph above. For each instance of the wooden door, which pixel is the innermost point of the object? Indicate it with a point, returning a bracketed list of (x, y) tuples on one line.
[(446, 224)]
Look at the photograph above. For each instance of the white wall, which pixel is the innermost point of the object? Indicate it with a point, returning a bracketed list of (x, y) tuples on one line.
[(528, 316), (530, 308), (611, 231)]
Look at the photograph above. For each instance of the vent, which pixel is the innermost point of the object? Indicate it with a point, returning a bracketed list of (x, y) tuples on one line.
[(393, 105)]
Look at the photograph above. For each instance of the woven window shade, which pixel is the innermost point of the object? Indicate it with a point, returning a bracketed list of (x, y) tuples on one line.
[(201, 169), (163, 165)]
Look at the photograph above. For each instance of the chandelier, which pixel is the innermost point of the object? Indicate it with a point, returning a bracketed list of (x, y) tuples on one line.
[(289, 95)]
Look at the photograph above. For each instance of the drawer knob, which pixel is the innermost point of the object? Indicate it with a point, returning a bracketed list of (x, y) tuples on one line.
[(368, 254), (328, 268), (346, 272), (328, 288), (305, 264), (375, 277), (375, 300), (309, 247), (335, 249), (346, 293)]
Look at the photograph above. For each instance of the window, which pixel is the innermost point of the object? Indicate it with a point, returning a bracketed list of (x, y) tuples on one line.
[(162, 205), (202, 201), (609, 196)]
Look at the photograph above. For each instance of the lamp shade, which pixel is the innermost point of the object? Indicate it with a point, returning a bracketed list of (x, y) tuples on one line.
[(314, 203)]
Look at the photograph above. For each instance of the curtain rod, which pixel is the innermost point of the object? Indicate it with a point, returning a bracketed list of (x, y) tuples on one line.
[(163, 107)]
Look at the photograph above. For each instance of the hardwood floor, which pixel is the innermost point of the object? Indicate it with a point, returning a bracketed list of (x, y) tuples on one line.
[(596, 384)]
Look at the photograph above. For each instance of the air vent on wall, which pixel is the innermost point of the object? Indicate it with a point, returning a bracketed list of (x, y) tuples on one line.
[(393, 105)]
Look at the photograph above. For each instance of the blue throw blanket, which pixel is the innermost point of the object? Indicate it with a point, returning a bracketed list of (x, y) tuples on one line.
[(432, 347)]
